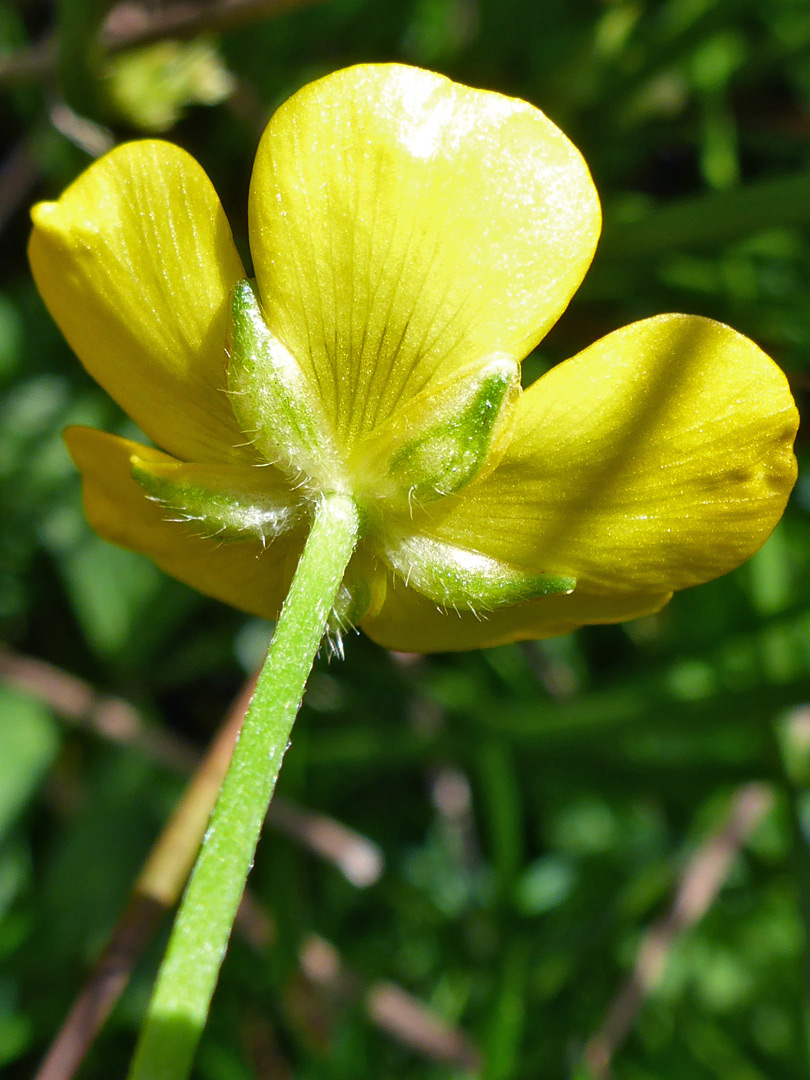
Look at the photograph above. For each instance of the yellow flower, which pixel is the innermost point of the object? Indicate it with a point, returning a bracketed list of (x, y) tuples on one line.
[(412, 241)]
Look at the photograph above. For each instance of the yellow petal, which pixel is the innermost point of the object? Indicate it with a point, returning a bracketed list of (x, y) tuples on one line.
[(241, 573), (658, 458), (136, 262), (409, 622), (403, 226)]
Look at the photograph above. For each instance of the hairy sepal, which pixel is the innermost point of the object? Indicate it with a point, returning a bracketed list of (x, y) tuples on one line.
[(223, 501), (460, 578), (442, 439), (273, 400)]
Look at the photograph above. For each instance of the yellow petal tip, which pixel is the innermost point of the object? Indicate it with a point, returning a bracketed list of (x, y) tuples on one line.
[(43, 215)]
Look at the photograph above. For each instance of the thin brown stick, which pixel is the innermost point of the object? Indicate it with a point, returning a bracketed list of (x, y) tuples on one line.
[(156, 890), (130, 24), (112, 718), (359, 860), (700, 882), (389, 1007), (410, 1021), (89, 136)]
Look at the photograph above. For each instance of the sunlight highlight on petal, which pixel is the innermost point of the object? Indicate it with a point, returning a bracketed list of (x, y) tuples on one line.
[(403, 226), (136, 264)]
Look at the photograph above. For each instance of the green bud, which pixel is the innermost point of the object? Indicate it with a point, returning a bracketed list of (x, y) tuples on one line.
[(230, 502), (273, 400), (463, 579), (443, 438)]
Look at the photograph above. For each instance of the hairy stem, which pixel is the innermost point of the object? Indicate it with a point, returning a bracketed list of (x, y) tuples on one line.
[(188, 974)]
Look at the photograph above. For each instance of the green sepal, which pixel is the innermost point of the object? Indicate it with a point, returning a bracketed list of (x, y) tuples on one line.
[(360, 596), (229, 502), (459, 578), (273, 400), (443, 438)]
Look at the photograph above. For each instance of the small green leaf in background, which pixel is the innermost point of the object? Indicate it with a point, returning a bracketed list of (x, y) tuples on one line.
[(29, 741), (152, 87)]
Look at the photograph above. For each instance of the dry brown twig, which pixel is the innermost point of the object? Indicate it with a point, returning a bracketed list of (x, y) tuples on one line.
[(18, 174), (112, 718), (388, 1006), (155, 892), (77, 701), (701, 880)]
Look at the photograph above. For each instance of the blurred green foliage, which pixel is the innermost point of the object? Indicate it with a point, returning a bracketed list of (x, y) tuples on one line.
[(535, 804)]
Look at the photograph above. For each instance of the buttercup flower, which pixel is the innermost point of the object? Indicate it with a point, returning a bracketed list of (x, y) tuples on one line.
[(412, 242)]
